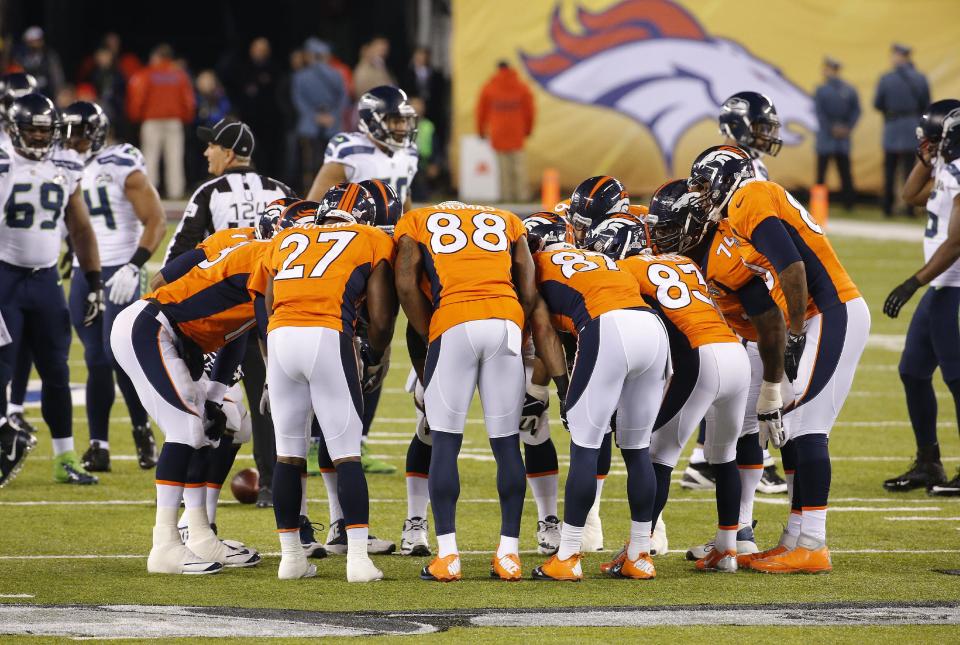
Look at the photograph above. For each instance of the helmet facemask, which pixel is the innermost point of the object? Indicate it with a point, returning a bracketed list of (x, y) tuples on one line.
[(35, 140)]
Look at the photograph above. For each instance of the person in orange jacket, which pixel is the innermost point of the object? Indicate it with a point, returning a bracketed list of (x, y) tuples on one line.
[(505, 114), (160, 97)]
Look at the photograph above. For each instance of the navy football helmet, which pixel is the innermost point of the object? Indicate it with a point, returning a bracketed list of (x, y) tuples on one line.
[(387, 118), (593, 201), (34, 126), (931, 124), (389, 208), (750, 119), (676, 220), (620, 240), (85, 121), (716, 174), (14, 86), (275, 217), (348, 202), (546, 229), (949, 149)]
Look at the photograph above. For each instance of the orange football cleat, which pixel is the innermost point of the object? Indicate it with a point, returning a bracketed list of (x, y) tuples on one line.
[(747, 559), (607, 567), (723, 561), (568, 570), (798, 560), (445, 569), (506, 568), (640, 569)]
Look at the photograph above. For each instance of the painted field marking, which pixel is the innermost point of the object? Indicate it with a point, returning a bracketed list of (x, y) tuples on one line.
[(922, 518)]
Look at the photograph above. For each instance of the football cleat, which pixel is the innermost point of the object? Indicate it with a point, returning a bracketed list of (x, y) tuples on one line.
[(921, 474), (14, 446), (96, 459), (146, 446), (506, 568), (170, 556), (947, 489), (294, 567), (360, 568), (569, 570), (771, 483), (264, 497), (592, 533), (67, 470), (744, 561), (698, 476), (548, 535), (18, 421), (228, 553), (810, 556), (658, 539), (337, 541), (640, 569), (308, 539), (607, 567), (413, 541), (373, 466), (445, 569), (746, 545), (725, 562)]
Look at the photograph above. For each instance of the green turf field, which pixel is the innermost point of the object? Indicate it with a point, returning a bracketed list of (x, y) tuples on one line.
[(87, 546)]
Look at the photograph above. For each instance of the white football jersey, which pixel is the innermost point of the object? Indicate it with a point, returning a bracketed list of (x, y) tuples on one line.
[(35, 196), (939, 207), (760, 169), (114, 221), (364, 160)]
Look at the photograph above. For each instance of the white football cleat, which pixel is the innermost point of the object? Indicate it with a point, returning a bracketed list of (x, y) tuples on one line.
[(746, 545), (592, 533), (361, 568), (294, 567), (210, 547), (413, 540), (548, 535), (658, 540), (169, 556)]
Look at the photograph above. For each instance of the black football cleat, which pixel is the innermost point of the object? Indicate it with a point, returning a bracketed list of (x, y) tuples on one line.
[(17, 420), (699, 476), (925, 472), (308, 539), (264, 497), (14, 446), (96, 459), (146, 446), (946, 489)]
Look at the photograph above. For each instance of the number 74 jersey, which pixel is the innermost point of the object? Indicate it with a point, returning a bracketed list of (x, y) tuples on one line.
[(34, 196)]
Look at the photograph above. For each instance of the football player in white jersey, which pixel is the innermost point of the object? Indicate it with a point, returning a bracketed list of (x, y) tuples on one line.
[(129, 223), (12, 86), (39, 186), (933, 338)]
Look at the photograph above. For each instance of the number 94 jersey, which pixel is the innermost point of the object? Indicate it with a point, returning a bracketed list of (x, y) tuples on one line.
[(34, 196), (939, 208)]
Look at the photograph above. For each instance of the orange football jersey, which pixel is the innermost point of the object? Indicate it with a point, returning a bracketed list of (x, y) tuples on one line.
[(210, 303), (320, 273), (468, 257), (580, 285), (224, 238), (674, 283), (828, 283)]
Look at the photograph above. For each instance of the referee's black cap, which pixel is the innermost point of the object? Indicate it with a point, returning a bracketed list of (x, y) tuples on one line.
[(231, 134)]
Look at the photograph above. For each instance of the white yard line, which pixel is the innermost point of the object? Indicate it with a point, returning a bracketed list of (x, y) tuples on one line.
[(922, 518)]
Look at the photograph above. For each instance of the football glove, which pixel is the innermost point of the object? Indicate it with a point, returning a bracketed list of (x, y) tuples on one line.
[(792, 353), (94, 306), (770, 415), (373, 365), (536, 401), (214, 420), (899, 296), (123, 284), (265, 401)]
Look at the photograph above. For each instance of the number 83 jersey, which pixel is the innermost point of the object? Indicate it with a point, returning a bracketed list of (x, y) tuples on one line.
[(34, 195)]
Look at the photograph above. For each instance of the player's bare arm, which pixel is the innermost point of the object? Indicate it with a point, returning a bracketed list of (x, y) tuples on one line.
[(330, 175), (148, 208), (793, 281), (82, 237), (381, 305), (919, 182), (524, 277), (414, 302), (771, 336), (548, 348)]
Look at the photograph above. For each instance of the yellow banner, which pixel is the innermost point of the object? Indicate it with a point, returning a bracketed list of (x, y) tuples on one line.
[(633, 87)]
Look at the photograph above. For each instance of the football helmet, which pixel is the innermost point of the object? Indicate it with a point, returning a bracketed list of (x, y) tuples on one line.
[(547, 230), (931, 124), (593, 201), (949, 148), (348, 202), (387, 118), (389, 208), (275, 218), (716, 174), (14, 86), (85, 120), (750, 119), (676, 220), (34, 126), (620, 241)]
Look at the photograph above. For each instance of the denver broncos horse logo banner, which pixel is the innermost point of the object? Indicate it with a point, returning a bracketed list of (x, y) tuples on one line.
[(652, 61)]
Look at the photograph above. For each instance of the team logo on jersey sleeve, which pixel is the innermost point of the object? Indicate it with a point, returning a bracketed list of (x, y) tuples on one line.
[(652, 61)]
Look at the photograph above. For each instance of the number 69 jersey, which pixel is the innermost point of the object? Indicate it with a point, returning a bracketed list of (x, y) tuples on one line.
[(320, 273), (939, 209), (579, 286), (34, 195), (468, 257)]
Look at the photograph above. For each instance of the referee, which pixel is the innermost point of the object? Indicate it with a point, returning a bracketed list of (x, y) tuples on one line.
[(233, 199)]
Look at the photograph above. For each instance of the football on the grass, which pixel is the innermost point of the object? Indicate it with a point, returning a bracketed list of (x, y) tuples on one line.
[(245, 485)]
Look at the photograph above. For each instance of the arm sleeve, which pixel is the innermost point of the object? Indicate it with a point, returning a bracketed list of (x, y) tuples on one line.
[(180, 265), (772, 240), (197, 223), (260, 312), (754, 297), (228, 360)]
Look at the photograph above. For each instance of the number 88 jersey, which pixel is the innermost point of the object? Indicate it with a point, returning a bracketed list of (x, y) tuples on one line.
[(468, 257), (34, 196)]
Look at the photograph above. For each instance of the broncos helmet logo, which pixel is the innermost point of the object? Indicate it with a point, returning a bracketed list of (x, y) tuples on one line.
[(652, 61)]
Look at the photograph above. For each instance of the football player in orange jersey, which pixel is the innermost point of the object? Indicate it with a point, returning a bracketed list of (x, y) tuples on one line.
[(621, 366), (711, 372), (309, 288), (482, 286), (828, 327)]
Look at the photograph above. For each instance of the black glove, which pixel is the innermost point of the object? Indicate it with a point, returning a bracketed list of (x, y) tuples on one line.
[(792, 354), (94, 306), (532, 409), (373, 366), (66, 264), (214, 420), (899, 296)]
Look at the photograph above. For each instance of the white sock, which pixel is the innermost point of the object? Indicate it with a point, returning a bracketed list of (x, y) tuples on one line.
[(14, 408), (290, 542), (446, 545), (418, 496), (749, 480), (330, 481), (639, 539), (507, 546), (357, 541), (63, 445), (212, 498), (793, 523), (789, 477), (697, 456), (726, 540), (814, 524), (571, 539), (198, 522), (103, 444), (195, 496), (544, 489), (303, 495), (168, 504)]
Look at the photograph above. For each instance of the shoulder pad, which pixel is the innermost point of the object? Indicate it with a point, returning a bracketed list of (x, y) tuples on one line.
[(120, 155), (348, 143), (66, 163)]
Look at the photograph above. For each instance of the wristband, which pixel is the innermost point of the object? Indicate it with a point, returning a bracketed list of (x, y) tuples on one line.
[(140, 256), (93, 280), (541, 392)]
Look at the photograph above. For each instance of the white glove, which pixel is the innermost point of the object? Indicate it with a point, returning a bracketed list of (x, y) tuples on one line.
[(123, 284), (770, 415), (265, 401)]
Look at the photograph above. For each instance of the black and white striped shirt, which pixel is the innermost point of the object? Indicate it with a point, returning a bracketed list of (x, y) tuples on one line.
[(232, 200)]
